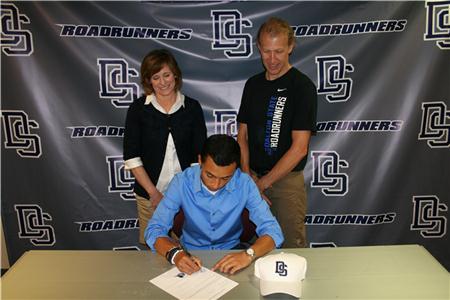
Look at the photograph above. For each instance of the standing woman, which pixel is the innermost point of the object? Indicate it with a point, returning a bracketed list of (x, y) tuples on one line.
[(164, 133)]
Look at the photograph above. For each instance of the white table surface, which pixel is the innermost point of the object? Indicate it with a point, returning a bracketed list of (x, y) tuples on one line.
[(375, 272)]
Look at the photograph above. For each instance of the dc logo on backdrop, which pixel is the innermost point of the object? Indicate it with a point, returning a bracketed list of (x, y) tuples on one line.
[(225, 121), (281, 268), (331, 76), (15, 41), (17, 128), (32, 225), (120, 180), (228, 26), (115, 81), (435, 124), (327, 174), (427, 218), (438, 23)]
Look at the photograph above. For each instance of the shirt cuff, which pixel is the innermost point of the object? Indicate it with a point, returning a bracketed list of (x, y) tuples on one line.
[(276, 235), (278, 240), (151, 239), (133, 163)]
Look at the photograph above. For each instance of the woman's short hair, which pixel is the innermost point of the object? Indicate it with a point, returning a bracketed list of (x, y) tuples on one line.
[(153, 62)]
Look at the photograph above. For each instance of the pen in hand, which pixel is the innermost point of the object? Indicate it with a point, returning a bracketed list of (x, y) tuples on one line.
[(190, 256)]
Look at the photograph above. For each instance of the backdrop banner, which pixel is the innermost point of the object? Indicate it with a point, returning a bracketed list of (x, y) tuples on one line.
[(378, 168)]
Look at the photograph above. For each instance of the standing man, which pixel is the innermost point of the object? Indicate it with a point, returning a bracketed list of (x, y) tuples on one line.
[(276, 118)]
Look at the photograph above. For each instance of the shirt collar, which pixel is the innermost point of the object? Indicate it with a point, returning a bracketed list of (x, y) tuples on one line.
[(179, 102), (231, 185), (197, 180), (208, 190)]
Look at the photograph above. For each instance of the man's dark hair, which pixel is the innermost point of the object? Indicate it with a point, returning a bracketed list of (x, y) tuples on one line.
[(223, 149)]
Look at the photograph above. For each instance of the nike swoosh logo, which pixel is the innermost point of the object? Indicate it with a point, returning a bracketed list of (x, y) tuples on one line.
[(281, 90)]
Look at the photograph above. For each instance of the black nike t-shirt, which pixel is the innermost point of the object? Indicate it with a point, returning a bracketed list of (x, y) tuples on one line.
[(271, 110)]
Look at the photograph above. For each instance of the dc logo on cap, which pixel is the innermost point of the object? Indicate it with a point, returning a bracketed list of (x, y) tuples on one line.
[(281, 268)]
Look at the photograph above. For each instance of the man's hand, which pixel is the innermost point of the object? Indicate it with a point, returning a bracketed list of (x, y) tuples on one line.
[(265, 198), (155, 198), (262, 186), (187, 264), (233, 262)]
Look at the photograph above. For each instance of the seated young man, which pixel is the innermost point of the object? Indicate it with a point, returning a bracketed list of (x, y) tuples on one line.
[(213, 195)]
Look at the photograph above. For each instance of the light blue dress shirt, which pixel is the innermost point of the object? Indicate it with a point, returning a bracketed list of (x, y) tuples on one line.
[(212, 221)]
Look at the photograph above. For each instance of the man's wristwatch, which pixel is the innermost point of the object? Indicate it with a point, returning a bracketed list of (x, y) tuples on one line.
[(250, 252)]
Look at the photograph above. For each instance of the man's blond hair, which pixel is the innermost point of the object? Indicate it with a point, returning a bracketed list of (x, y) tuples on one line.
[(274, 27)]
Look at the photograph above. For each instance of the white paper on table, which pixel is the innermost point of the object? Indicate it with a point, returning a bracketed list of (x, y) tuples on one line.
[(204, 284)]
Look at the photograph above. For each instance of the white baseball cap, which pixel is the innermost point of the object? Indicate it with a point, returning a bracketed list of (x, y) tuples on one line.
[(281, 273)]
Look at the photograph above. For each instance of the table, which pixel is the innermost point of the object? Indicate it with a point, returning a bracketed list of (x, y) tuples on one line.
[(377, 272)]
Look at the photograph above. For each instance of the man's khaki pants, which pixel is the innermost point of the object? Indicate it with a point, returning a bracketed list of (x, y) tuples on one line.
[(288, 197)]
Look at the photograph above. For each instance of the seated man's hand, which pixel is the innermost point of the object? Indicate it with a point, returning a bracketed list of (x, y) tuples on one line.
[(187, 264), (233, 262)]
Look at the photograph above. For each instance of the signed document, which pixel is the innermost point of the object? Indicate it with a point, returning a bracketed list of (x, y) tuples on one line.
[(203, 284)]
